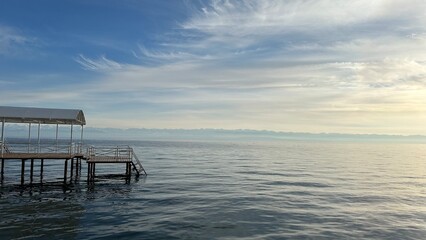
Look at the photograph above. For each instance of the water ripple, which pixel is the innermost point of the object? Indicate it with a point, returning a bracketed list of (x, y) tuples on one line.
[(278, 190)]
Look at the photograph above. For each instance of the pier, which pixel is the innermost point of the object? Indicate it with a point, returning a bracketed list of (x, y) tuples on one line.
[(72, 152)]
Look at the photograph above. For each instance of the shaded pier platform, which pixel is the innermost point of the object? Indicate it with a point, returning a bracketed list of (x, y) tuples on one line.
[(71, 152), (74, 161)]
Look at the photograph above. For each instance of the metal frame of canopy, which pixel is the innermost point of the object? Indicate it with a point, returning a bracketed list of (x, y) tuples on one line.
[(41, 116)]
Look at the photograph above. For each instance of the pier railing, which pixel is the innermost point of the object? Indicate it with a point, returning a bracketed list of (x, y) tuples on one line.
[(118, 153), (3, 148), (115, 154), (70, 148)]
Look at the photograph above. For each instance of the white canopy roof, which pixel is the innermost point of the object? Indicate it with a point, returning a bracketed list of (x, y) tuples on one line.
[(42, 115)]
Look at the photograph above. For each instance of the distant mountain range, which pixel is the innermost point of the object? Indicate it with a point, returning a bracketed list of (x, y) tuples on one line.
[(21, 131)]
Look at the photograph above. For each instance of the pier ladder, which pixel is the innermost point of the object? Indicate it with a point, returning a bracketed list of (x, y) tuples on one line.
[(137, 165)]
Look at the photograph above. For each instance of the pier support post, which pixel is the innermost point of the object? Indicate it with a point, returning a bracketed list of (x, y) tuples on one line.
[(91, 172), (2, 170), (128, 170), (72, 168), (2, 137), (65, 171), (22, 172), (88, 172), (77, 162)]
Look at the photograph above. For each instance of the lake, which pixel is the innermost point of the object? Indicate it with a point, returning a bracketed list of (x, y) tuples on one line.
[(230, 190)]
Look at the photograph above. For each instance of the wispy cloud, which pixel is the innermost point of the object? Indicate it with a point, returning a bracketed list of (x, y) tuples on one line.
[(259, 30), (348, 66), (245, 23), (266, 32), (272, 17), (143, 52), (100, 64), (12, 41)]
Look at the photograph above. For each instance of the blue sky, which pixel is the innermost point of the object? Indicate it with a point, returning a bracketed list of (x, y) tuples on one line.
[(302, 66)]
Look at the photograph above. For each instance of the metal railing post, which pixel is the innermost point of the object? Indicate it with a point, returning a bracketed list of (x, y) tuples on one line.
[(38, 138), (57, 130), (71, 137), (29, 137), (81, 139)]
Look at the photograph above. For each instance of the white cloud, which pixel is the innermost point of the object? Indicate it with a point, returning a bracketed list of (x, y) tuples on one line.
[(333, 97), (248, 22)]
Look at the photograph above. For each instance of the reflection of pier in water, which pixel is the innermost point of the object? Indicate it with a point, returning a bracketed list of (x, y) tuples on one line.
[(71, 153), (53, 210), (42, 219)]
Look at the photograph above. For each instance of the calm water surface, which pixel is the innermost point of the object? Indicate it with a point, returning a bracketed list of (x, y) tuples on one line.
[(293, 190)]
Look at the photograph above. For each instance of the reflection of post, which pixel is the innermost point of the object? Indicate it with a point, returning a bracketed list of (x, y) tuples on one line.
[(41, 171)]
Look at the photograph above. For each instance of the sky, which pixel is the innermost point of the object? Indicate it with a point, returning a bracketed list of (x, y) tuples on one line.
[(294, 66)]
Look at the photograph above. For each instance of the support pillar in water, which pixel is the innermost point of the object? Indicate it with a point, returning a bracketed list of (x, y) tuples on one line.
[(72, 167), (2, 170), (22, 172), (65, 171), (31, 171)]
